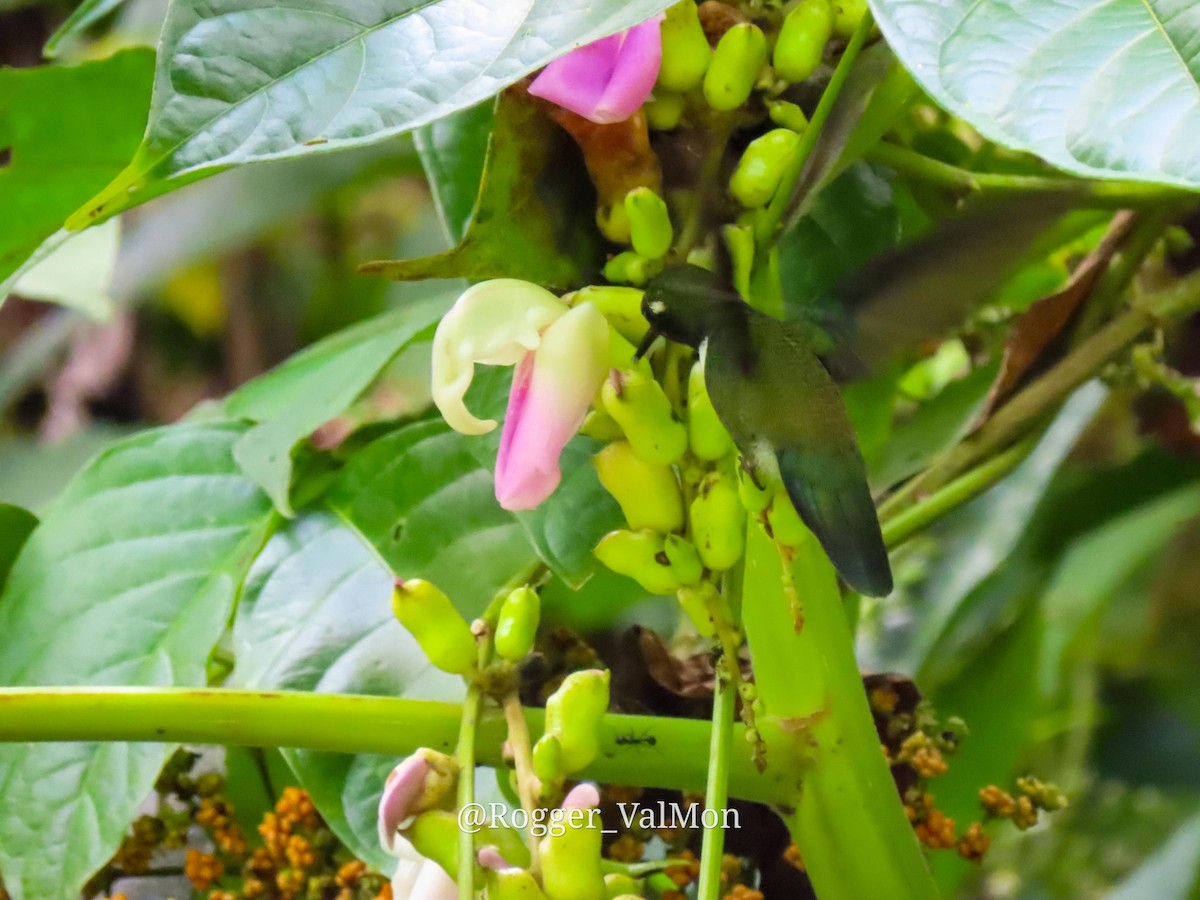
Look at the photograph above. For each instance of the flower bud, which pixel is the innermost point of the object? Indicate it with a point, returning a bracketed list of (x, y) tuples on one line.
[(648, 494), (618, 885), (684, 560), (517, 624), (695, 602), (512, 884), (649, 222), (438, 627), (571, 860), (717, 522), (645, 415), (685, 50), (664, 111), (601, 426), (631, 268), (547, 759), (760, 169), (641, 556), (756, 499), (434, 835), (847, 15), (418, 783), (731, 75), (574, 714), (801, 41), (706, 435), (786, 526), (612, 222), (621, 306), (787, 115)]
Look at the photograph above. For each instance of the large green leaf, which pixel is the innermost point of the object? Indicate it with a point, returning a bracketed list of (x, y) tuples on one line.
[(1096, 87), (425, 503), (246, 80), (316, 616), (129, 580), (452, 151), (70, 130), (292, 401), (16, 524)]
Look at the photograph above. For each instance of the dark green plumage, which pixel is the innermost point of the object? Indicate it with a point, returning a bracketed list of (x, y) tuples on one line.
[(784, 410)]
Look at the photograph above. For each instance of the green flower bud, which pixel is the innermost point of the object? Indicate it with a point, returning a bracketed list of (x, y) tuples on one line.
[(706, 435), (645, 415), (571, 851), (618, 884), (434, 834), (685, 561), (613, 223), (787, 115), (574, 714), (685, 50), (641, 556), (621, 306), (664, 110), (786, 526), (601, 426), (717, 522), (760, 169), (756, 499), (631, 268), (695, 602), (801, 41), (547, 758), (517, 624), (731, 75), (648, 493), (438, 627), (649, 222), (512, 884), (847, 15)]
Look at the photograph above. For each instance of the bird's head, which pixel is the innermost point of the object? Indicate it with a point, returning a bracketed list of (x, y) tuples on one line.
[(680, 304)]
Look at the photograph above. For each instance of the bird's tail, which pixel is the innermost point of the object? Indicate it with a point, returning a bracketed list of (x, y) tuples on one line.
[(832, 497)]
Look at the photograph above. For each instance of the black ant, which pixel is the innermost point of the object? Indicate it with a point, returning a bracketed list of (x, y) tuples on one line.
[(643, 740)]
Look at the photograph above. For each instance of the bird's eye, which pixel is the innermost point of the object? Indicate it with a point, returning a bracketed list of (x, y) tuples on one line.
[(657, 307)]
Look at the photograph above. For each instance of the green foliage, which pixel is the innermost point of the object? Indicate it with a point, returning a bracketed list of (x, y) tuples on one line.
[(149, 544), (59, 160), (16, 524), (453, 151), (1094, 87)]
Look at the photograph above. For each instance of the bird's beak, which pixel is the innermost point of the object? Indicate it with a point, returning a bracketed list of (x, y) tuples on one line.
[(644, 346)]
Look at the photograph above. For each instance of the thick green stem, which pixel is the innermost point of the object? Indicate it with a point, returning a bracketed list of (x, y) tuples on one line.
[(1111, 194), (343, 723), (841, 803)]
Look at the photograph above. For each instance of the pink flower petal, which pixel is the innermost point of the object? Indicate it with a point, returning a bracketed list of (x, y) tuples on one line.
[(490, 858), (583, 796), (551, 392), (404, 784), (607, 80)]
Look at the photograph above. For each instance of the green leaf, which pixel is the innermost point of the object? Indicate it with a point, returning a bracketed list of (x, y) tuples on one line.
[(425, 503), (83, 17), (452, 151), (129, 580), (16, 524), (246, 80), (1170, 873), (1096, 87), (530, 220), (70, 131), (316, 616), (293, 400)]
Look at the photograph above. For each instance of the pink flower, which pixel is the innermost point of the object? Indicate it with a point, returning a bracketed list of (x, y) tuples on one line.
[(418, 783), (607, 80), (561, 359)]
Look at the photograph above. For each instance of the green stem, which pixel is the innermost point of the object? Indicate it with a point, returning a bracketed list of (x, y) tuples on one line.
[(465, 755), (899, 527), (1113, 194), (766, 226), (716, 789), (342, 723), (522, 751), (841, 804)]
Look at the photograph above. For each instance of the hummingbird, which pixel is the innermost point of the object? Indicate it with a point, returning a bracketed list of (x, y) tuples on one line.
[(783, 408)]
